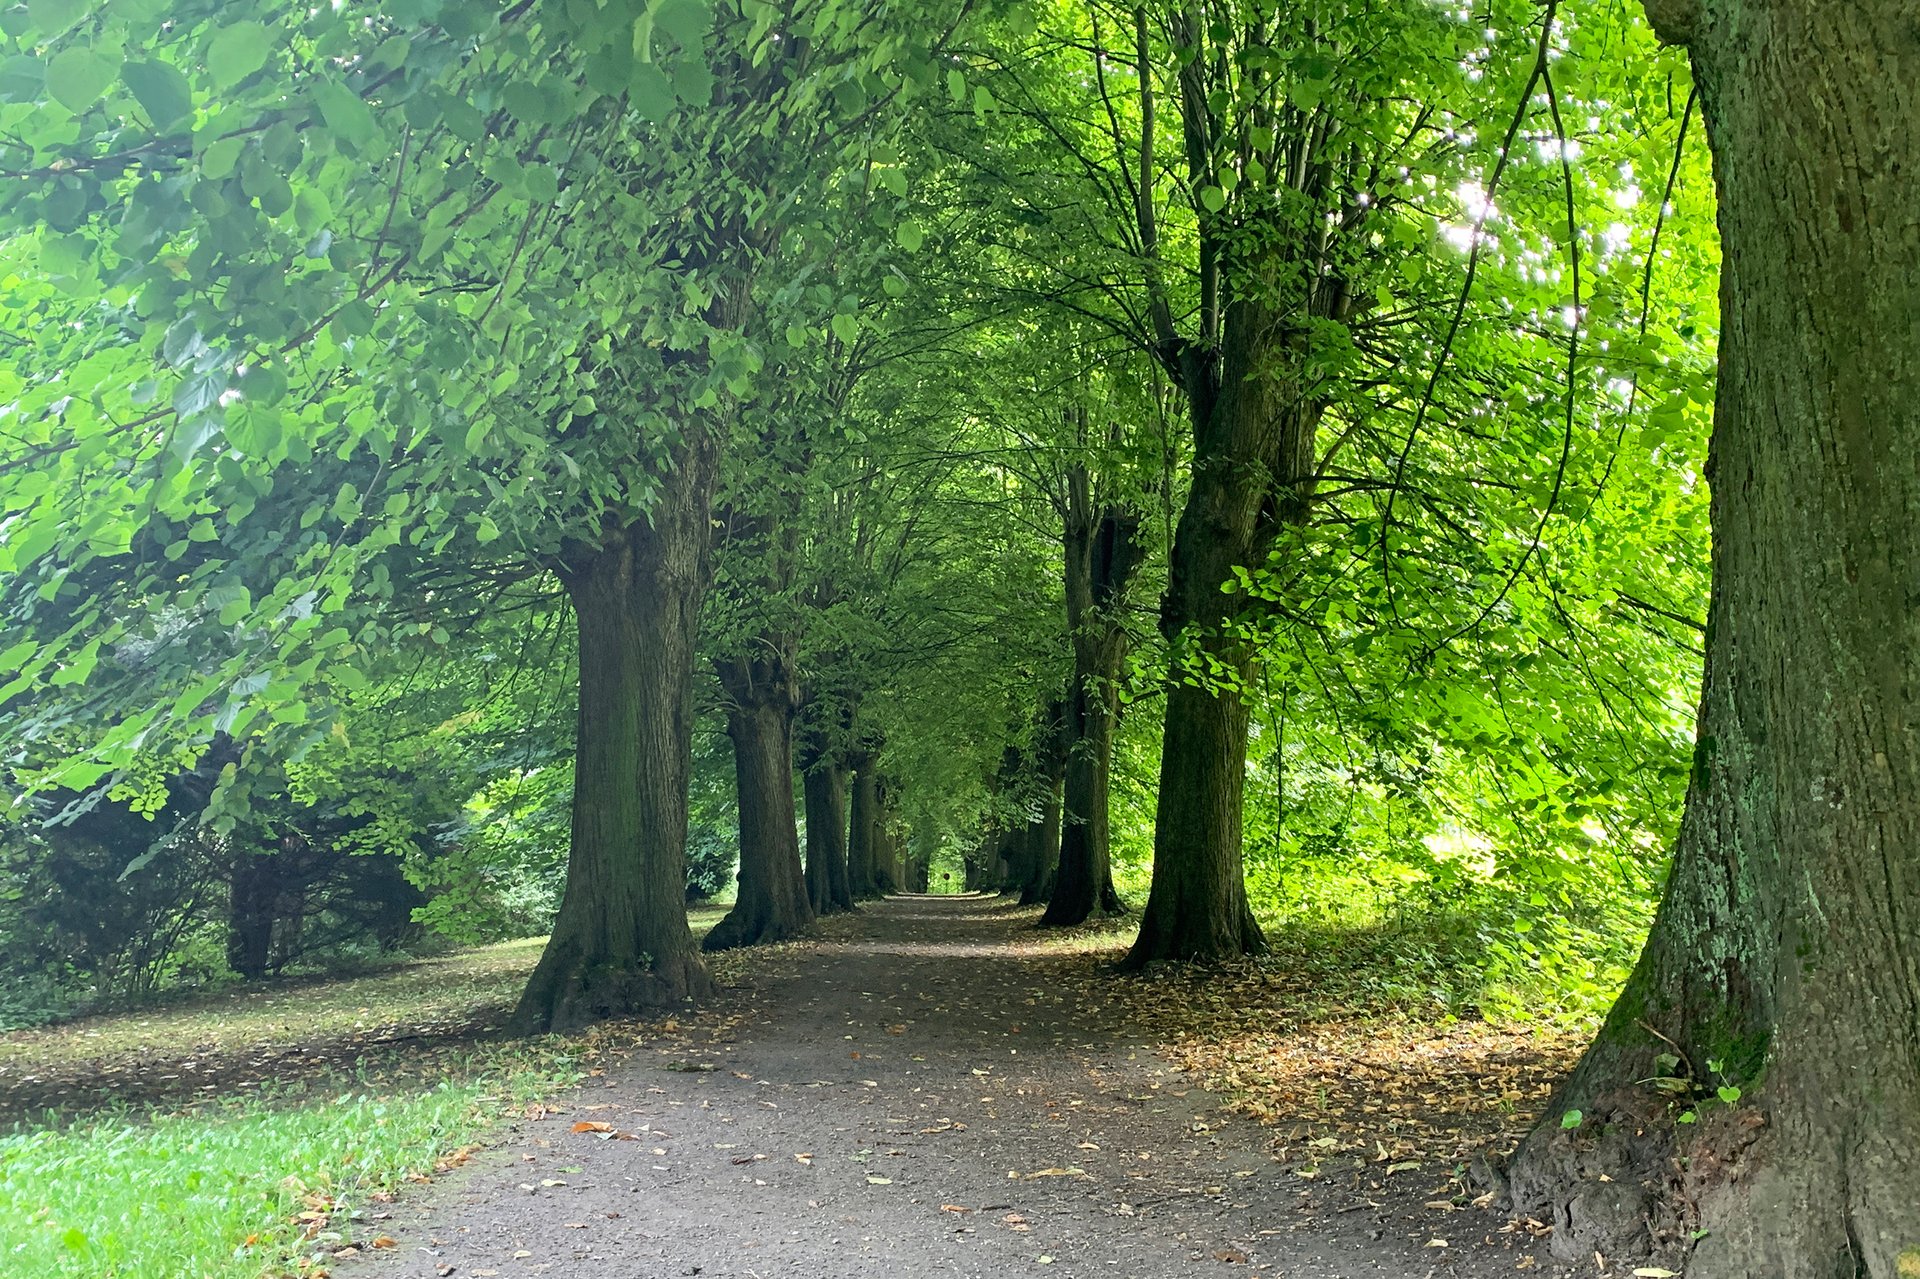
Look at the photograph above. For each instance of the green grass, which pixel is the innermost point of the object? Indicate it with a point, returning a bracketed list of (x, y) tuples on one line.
[(326, 1095), (220, 1194)]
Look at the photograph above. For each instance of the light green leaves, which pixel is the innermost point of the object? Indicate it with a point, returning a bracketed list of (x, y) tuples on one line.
[(78, 76), (1212, 199), (236, 52), (909, 236), (161, 90)]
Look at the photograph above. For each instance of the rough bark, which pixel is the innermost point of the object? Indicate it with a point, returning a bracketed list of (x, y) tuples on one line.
[(1251, 426), (1788, 944), (1102, 554), (1255, 413), (1043, 845), (621, 942), (772, 903)]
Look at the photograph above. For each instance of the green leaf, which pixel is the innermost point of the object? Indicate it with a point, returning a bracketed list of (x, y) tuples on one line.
[(1572, 1119), (77, 77), (161, 90), (846, 327), (345, 114), (909, 236), (486, 531), (650, 93), (237, 51), (1728, 1093), (51, 17), (220, 157), (1213, 199)]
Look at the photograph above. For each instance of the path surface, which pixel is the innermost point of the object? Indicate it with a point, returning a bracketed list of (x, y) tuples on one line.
[(919, 1094)]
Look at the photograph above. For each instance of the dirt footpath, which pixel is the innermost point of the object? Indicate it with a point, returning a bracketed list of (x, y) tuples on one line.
[(922, 1092)]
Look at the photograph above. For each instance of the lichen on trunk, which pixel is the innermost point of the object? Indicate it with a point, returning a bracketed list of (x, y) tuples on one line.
[(1787, 949)]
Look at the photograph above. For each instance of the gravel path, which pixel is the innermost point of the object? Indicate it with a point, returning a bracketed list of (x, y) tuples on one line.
[(922, 1093)]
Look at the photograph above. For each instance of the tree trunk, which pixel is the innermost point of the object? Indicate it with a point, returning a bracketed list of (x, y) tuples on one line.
[(254, 894), (1043, 846), (885, 850), (772, 903), (1102, 555), (863, 872), (1249, 424), (620, 942), (824, 788), (1787, 949)]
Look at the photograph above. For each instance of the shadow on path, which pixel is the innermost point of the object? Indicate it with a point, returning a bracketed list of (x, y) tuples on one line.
[(932, 1087)]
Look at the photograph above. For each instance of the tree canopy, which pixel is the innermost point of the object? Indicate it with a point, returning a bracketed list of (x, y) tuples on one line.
[(1241, 460)]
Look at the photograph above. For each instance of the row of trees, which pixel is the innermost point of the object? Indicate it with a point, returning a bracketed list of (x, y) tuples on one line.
[(957, 405)]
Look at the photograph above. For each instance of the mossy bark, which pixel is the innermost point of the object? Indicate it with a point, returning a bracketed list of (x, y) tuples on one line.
[(1788, 945), (620, 942)]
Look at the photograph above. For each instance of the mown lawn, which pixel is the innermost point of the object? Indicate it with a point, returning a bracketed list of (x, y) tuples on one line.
[(244, 1134)]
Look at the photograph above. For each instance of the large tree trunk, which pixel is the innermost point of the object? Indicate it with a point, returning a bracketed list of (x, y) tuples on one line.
[(772, 903), (1249, 424), (1102, 554), (1787, 949), (824, 789), (621, 942)]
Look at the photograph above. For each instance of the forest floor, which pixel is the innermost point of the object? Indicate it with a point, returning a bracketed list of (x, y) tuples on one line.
[(933, 1087)]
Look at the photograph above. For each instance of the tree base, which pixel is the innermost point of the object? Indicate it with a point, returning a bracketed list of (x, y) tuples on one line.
[(745, 928), (1802, 1191), (1177, 936), (567, 996), (1603, 1185)]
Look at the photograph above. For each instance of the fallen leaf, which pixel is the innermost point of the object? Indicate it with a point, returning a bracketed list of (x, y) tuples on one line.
[(879, 1181), (383, 1241), (954, 1208), (592, 1125), (1231, 1255)]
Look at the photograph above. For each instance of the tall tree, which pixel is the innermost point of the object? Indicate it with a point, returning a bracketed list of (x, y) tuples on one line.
[(1101, 538), (1784, 966)]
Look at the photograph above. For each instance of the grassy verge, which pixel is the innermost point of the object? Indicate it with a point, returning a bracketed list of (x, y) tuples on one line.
[(244, 1188), (247, 1133)]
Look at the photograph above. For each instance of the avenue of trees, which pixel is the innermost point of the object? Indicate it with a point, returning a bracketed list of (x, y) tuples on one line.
[(481, 470)]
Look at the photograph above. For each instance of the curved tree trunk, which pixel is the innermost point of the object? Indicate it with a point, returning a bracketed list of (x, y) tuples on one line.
[(1787, 949), (772, 904), (620, 941), (1102, 555)]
